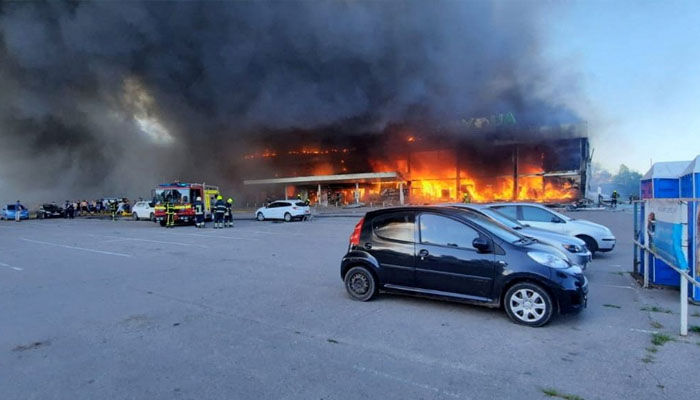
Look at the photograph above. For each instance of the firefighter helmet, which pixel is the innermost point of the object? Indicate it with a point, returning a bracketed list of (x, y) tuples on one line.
[(219, 197), (199, 198), (230, 200)]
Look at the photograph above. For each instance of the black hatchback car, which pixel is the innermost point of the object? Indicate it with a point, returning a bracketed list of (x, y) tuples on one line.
[(459, 255), (50, 211)]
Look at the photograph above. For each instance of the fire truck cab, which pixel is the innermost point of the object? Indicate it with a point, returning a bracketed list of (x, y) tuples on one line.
[(183, 195)]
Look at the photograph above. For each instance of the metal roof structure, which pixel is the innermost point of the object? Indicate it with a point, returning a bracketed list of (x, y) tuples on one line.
[(666, 170), (326, 179)]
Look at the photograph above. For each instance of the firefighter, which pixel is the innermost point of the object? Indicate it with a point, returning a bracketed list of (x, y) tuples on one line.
[(169, 214), (614, 196), (199, 213), (228, 216), (113, 209), (467, 198), (219, 211)]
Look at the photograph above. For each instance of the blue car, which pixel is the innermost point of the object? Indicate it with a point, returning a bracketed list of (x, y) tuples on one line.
[(8, 212)]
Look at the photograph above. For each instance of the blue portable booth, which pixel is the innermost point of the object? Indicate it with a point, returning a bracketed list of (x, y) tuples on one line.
[(662, 181), (690, 189)]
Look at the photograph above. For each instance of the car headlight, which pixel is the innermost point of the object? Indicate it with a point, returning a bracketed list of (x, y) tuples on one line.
[(572, 248), (547, 259)]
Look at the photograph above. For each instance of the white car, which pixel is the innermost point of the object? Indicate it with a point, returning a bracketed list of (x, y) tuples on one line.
[(283, 209), (143, 210), (596, 236)]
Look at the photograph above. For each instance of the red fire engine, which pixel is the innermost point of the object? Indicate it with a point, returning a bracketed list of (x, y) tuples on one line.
[(182, 195)]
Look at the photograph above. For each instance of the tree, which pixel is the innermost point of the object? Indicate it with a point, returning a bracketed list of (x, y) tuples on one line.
[(626, 181)]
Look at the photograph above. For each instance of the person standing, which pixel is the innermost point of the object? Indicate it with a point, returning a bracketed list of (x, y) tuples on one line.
[(614, 196), (219, 211), (113, 209), (169, 214), (18, 211), (228, 216), (198, 213)]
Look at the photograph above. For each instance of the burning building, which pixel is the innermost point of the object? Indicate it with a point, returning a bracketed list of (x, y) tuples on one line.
[(417, 166)]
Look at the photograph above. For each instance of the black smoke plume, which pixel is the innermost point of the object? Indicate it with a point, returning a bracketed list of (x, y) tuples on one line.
[(110, 98)]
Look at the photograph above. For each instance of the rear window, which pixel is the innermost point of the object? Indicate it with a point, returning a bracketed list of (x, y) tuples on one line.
[(300, 204), (399, 226), (508, 211)]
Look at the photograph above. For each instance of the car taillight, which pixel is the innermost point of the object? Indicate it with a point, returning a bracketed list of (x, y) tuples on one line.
[(355, 237)]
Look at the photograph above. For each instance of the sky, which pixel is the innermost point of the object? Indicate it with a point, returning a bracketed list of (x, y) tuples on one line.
[(638, 69)]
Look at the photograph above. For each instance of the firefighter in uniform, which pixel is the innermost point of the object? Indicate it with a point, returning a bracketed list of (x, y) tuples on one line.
[(228, 216), (219, 211), (614, 196), (113, 209), (169, 214), (199, 213), (467, 198)]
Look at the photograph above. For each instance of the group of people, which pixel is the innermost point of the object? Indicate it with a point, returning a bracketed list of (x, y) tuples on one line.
[(221, 212), (79, 208)]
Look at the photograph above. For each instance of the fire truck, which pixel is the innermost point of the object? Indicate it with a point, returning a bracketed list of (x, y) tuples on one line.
[(183, 195)]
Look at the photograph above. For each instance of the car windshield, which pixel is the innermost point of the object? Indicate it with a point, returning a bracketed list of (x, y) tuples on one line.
[(560, 215), (495, 227), (172, 195), (504, 219)]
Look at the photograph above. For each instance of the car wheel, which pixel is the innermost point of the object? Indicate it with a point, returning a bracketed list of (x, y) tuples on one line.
[(135, 216), (260, 217), (360, 284), (287, 217), (152, 217), (590, 243), (528, 304)]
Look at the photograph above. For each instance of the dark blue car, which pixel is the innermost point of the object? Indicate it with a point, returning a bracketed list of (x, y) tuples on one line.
[(459, 255)]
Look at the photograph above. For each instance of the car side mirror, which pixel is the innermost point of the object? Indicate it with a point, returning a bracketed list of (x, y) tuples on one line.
[(482, 245)]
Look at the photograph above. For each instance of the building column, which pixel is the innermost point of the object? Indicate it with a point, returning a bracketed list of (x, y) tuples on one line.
[(357, 193), (285, 192), (318, 196), (401, 193)]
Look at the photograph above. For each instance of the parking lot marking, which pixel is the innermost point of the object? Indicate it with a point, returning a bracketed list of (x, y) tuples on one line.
[(212, 236), (612, 286), (117, 238), (75, 248), (642, 330), (10, 266)]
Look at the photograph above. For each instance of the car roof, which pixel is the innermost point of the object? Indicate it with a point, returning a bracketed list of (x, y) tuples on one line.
[(438, 209), (520, 203)]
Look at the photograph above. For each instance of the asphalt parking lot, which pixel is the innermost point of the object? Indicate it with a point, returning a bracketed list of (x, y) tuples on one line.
[(94, 309)]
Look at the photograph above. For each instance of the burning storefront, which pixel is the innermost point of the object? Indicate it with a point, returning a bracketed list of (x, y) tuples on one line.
[(402, 165)]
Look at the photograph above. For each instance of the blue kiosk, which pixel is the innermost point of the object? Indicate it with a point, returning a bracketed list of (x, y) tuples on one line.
[(690, 189), (662, 181)]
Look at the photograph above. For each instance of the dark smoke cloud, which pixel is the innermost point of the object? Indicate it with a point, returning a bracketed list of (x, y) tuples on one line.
[(219, 73)]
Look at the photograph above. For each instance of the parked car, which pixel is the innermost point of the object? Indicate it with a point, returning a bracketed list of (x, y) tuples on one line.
[(8, 212), (143, 210), (597, 237), (50, 211), (283, 209), (574, 248), (449, 253)]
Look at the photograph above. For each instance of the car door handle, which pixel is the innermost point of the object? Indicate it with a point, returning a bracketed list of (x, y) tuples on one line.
[(423, 253), (368, 246)]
